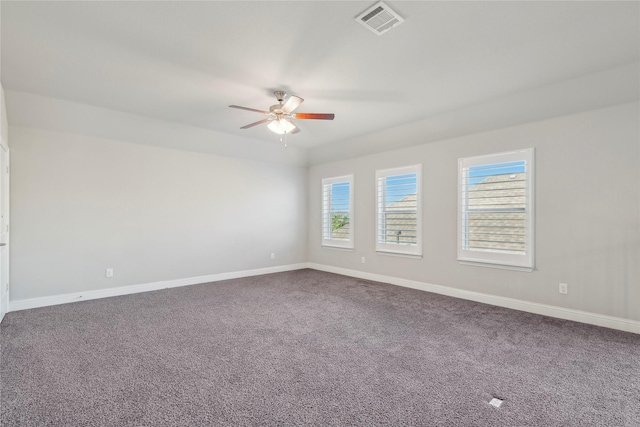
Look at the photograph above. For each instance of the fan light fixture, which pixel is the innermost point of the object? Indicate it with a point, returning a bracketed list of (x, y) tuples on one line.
[(281, 126), (280, 116)]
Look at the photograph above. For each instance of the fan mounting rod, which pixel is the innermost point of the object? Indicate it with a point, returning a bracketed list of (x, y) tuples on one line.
[(280, 94)]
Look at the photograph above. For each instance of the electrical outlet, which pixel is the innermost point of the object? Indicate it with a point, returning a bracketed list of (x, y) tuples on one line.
[(109, 272), (563, 288), (273, 255), (363, 260)]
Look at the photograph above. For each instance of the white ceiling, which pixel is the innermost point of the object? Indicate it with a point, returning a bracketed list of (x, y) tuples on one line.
[(185, 62)]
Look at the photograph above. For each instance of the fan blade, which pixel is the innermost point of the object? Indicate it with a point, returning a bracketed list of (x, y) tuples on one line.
[(256, 123), (313, 116), (295, 129), (248, 109), (292, 103)]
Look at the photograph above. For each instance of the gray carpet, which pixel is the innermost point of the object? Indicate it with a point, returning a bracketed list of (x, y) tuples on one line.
[(310, 348)]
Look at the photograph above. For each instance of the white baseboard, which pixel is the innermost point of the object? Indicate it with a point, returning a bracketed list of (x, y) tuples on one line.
[(626, 325), (28, 303), (619, 323)]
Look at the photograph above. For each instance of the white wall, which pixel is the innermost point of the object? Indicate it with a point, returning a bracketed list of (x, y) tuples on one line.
[(4, 142), (587, 212), (81, 204), (590, 92), (4, 128), (41, 112)]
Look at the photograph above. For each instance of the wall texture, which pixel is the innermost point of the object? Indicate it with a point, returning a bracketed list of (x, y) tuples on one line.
[(4, 125), (587, 212), (81, 204), (4, 141), (41, 112)]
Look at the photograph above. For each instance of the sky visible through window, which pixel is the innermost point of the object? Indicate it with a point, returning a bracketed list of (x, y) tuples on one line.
[(478, 174), (404, 185), (340, 197), (407, 183)]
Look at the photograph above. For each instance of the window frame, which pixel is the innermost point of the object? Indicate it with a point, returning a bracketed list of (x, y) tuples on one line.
[(338, 243), (522, 262), (414, 251)]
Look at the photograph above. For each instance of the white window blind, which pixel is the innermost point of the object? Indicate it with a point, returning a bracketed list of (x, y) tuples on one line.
[(337, 211), (398, 210), (496, 209)]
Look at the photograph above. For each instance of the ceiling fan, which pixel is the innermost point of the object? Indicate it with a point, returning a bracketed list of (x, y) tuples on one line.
[(281, 114)]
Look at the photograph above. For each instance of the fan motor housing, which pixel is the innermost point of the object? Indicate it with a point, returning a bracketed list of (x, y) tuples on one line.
[(276, 109)]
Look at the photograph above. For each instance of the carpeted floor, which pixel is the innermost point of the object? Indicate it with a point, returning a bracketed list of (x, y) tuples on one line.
[(310, 348)]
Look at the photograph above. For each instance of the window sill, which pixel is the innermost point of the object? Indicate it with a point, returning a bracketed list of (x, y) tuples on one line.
[(399, 254), (338, 248), (499, 266)]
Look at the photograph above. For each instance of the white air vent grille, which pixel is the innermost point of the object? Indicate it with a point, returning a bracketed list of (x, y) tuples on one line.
[(379, 18)]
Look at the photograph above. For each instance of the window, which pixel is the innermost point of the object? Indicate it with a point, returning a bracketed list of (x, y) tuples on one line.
[(337, 211), (398, 210), (495, 212)]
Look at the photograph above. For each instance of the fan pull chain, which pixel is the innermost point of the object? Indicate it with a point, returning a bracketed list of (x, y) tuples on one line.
[(283, 140)]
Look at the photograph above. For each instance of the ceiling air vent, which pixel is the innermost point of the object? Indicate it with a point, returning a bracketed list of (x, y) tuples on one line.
[(379, 18)]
